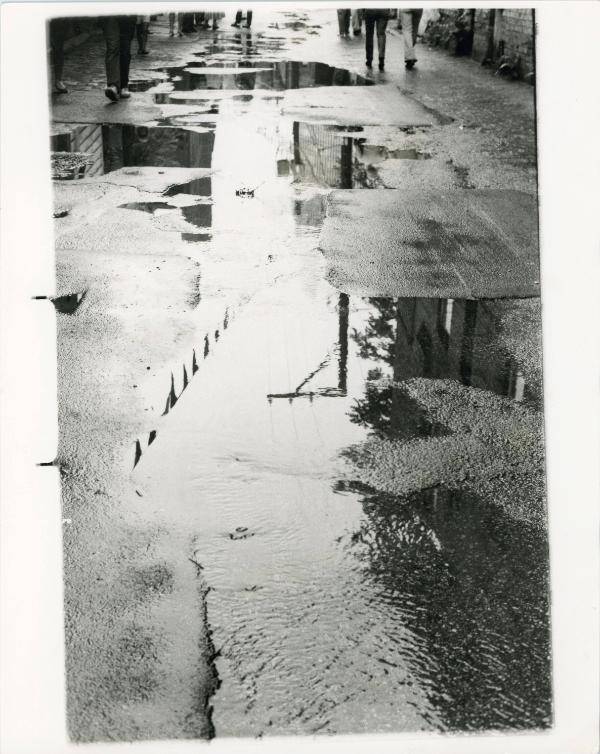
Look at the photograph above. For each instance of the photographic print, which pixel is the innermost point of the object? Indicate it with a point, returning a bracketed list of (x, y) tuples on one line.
[(299, 350)]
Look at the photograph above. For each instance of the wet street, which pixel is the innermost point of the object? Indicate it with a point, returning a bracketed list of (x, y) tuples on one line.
[(299, 499)]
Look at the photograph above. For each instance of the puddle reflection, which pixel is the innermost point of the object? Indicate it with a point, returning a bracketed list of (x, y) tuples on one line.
[(278, 76), (443, 339), (471, 585)]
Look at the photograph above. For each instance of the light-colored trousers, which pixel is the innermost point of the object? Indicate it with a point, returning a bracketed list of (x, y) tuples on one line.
[(410, 27)]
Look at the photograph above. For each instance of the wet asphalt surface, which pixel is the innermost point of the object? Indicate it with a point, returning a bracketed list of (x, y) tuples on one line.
[(313, 511)]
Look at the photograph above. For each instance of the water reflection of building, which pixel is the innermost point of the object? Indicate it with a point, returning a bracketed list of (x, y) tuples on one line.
[(328, 156), (456, 339), (306, 388), (82, 138), (132, 146), (434, 338), (270, 75)]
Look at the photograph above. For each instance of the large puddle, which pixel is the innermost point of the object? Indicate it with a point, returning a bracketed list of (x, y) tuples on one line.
[(333, 606)]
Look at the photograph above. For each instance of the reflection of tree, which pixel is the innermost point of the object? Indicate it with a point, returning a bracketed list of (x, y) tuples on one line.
[(471, 586), (386, 408), (377, 341)]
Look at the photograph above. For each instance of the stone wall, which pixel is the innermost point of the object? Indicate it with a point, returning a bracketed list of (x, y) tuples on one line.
[(500, 37), (514, 39)]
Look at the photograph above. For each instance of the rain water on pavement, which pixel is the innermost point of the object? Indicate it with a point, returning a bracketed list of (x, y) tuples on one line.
[(333, 607)]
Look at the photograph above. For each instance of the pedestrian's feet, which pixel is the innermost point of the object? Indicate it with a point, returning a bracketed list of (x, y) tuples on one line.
[(144, 52), (356, 32), (60, 88), (369, 64), (381, 64), (112, 93), (180, 34), (171, 33), (237, 26), (410, 64), (125, 93), (247, 26)]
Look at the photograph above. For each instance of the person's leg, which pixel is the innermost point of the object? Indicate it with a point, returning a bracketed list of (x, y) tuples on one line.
[(126, 32), (171, 24), (238, 18), (356, 21), (139, 33), (416, 20), (110, 28), (57, 46), (248, 19), (180, 24), (369, 31), (407, 34), (381, 27)]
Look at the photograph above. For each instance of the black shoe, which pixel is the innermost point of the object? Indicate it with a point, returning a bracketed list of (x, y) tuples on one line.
[(410, 64), (237, 26), (112, 93), (356, 32), (381, 64), (369, 64)]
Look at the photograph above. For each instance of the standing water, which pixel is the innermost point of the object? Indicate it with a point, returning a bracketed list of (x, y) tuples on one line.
[(333, 607)]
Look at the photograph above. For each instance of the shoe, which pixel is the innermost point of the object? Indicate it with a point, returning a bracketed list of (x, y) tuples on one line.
[(144, 52), (171, 33), (369, 64), (112, 93), (357, 32), (247, 26), (410, 64), (60, 88), (125, 93), (237, 26), (381, 64)]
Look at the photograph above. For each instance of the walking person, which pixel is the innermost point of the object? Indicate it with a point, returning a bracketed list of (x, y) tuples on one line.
[(357, 18), (238, 19), (410, 18), (344, 22), (214, 18), (118, 35), (375, 18), (141, 30), (172, 18), (58, 33)]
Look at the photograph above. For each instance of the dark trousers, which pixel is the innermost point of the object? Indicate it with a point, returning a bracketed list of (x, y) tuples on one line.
[(118, 34), (374, 19), (343, 15), (141, 31), (238, 17), (58, 34)]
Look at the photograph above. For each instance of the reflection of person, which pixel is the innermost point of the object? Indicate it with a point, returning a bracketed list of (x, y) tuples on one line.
[(142, 26), (213, 18), (344, 22), (172, 24), (58, 33), (375, 17), (238, 19), (118, 34), (410, 26)]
